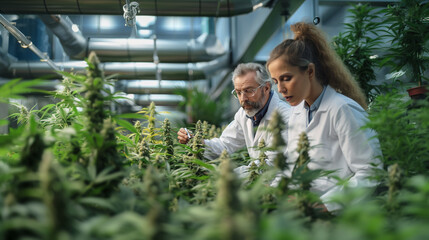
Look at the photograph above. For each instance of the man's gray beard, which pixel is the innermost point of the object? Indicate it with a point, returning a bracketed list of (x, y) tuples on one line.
[(251, 113), (255, 109), (257, 106)]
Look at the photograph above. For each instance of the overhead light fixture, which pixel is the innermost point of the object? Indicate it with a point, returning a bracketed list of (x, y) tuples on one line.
[(175, 24), (257, 6), (145, 21), (75, 28), (145, 33), (107, 22)]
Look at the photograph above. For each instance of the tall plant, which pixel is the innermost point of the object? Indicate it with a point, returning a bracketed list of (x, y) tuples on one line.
[(358, 44), (403, 133), (408, 28), (198, 105)]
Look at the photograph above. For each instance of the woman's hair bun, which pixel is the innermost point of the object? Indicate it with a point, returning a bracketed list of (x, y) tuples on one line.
[(300, 30)]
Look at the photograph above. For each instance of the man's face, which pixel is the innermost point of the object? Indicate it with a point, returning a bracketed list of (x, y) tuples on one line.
[(251, 95)]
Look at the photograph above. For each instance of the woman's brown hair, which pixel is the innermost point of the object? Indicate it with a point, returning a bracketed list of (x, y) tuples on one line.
[(310, 46)]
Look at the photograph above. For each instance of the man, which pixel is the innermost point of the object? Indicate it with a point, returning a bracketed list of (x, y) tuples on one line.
[(252, 87)]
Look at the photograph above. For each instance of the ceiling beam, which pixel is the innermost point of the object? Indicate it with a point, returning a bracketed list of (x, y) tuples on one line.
[(252, 32), (272, 22)]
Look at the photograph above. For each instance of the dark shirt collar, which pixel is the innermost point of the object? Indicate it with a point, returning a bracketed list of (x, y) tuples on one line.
[(259, 115), (316, 103), (313, 108)]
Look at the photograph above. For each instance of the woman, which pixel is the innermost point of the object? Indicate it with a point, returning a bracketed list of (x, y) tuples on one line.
[(329, 106)]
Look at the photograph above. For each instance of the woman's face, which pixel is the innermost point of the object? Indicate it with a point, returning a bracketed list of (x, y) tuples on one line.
[(293, 83)]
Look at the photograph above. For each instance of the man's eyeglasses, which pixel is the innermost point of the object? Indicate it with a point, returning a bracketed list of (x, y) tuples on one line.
[(250, 92)]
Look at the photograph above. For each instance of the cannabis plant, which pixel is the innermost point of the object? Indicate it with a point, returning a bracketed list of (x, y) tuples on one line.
[(200, 106), (408, 28), (276, 127), (228, 204), (402, 131), (151, 122), (62, 177), (357, 46), (167, 138), (394, 186), (255, 170)]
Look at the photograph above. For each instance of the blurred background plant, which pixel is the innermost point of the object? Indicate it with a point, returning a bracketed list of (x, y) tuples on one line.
[(407, 30), (359, 44), (403, 132), (199, 106)]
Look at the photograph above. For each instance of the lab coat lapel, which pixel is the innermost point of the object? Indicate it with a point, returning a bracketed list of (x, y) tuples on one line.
[(261, 128), (301, 113), (249, 133), (300, 117), (326, 98), (323, 106), (264, 123)]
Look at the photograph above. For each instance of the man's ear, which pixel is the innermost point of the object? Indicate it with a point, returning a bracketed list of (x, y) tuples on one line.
[(311, 70), (268, 86)]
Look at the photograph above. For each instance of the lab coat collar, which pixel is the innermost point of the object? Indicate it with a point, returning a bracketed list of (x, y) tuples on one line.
[(323, 107), (261, 114), (264, 122)]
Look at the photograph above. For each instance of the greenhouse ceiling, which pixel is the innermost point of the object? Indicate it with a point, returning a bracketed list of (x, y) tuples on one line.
[(178, 41)]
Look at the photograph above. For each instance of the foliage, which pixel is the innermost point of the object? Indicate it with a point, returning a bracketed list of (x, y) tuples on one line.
[(62, 177), (16, 88), (403, 131), (408, 29), (358, 45), (198, 105)]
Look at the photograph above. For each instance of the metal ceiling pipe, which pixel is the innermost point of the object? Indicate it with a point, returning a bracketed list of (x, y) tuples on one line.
[(158, 99), (25, 42), (46, 86), (74, 43), (215, 8), (126, 70), (149, 86), (204, 48), (144, 70), (4, 61)]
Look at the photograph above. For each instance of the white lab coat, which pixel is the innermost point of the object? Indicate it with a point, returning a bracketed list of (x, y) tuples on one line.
[(240, 133), (336, 143)]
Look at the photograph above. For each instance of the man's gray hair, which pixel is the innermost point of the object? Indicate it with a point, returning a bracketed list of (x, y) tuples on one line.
[(262, 76)]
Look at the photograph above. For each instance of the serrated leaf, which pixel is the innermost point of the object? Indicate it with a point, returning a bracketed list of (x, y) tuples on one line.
[(203, 164), (127, 125), (97, 202), (129, 115)]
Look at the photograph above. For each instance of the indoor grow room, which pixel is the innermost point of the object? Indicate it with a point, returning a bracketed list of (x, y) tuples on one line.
[(88, 144)]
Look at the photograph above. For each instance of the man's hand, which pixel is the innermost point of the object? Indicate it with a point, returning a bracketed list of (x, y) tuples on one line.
[(183, 136), (321, 207)]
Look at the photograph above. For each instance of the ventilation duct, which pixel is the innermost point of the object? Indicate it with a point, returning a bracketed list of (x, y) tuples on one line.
[(125, 70), (149, 86), (74, 43), (158, 99), (25, 42), (215, 8), (4, 61), (205, 48)]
